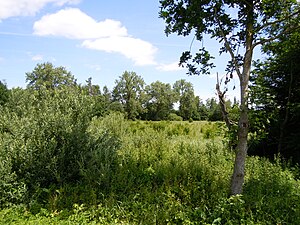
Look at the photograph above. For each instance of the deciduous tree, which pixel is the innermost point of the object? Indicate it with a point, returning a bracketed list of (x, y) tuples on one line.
[(239, 26), (129, 91), (275, 95), (4, 93), (46, 75), (187, 100), (160, 100)]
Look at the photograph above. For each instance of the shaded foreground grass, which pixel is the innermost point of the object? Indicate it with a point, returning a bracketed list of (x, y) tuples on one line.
[(166, 173)]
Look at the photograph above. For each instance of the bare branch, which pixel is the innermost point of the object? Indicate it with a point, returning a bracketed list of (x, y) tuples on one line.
[(228, 47), (222, 104)]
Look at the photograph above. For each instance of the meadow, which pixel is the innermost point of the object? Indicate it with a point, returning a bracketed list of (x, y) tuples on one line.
[(162, 173)]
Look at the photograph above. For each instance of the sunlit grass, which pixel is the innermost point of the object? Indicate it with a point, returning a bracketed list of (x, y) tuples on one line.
[(167, 173)]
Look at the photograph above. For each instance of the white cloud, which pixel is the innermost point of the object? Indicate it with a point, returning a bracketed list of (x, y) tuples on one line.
[(169, 67), (94, 67), (141, 52), (10, 8), (73, 23), (108, 35), (37, 58)]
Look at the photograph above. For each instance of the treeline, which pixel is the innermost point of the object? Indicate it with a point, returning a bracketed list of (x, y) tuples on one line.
[(130, 96), (273, 98)]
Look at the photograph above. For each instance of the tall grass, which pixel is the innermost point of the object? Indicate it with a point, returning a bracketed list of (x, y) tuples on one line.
[(165, 173)]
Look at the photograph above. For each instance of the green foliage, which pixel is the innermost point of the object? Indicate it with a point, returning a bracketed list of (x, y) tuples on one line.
[(214, 110), (4, 93), (48, 139), (271, 191), (47, 76), (187, 100), (275, 96), (58, 165), (129, 91), (12, 190), (174, 117), (161, 99), (99, 163), (47, 133), (239, 26), (169, 179), (218, 19)]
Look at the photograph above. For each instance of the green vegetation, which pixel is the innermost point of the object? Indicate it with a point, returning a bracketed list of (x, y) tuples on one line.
[(61, 165), (275, 96), (76, 154), (239, 27)]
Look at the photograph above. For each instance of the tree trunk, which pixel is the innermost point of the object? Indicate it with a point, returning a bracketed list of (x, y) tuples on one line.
[(237, 180), (238, 175), (287, 111)]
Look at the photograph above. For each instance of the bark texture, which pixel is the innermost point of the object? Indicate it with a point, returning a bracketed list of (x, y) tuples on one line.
[(238, 175)]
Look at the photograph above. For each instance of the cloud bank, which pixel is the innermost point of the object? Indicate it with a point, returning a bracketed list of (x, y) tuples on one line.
[(108, 35), (170, 67), (11, 8), (74, 24)]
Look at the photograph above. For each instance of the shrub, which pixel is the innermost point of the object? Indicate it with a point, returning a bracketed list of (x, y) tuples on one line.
[(174, 117), (46, 136)]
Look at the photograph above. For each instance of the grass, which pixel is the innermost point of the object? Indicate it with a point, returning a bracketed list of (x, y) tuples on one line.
[(167, 173)]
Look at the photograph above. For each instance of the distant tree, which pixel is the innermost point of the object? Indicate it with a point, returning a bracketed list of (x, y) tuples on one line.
[(107, 98), (48, 76), (129, 91), (160, 100), (214, 110), (239, 26), (92, 89), (202, 111), (187, 100), (4, 93)]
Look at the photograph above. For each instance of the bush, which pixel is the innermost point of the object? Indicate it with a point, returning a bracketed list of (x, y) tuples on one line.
[(174, 117), (46, 140)]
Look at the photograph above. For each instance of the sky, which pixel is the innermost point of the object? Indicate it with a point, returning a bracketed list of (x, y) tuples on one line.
[(98, 39)]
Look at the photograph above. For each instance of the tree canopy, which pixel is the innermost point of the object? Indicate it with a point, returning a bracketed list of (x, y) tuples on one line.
[(4, 93), (187, 100), (161, 99), (46, 75), (275, 95), (129, 92)]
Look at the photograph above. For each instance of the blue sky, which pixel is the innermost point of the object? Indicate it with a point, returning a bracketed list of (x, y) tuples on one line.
[(98, 39)]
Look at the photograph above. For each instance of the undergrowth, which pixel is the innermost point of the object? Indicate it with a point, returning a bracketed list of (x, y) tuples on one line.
[(159, 173)]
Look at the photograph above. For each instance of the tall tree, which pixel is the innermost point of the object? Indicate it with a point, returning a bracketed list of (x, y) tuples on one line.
[(48, 76), (160, 100), (92, 89), (239, 26), (129, 91), (4, 93), (202, 111), (187, 100), (214, 110)]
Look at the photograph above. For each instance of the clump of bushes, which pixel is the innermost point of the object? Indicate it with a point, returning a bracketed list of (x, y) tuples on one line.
[(60, 165), (47, 141)]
